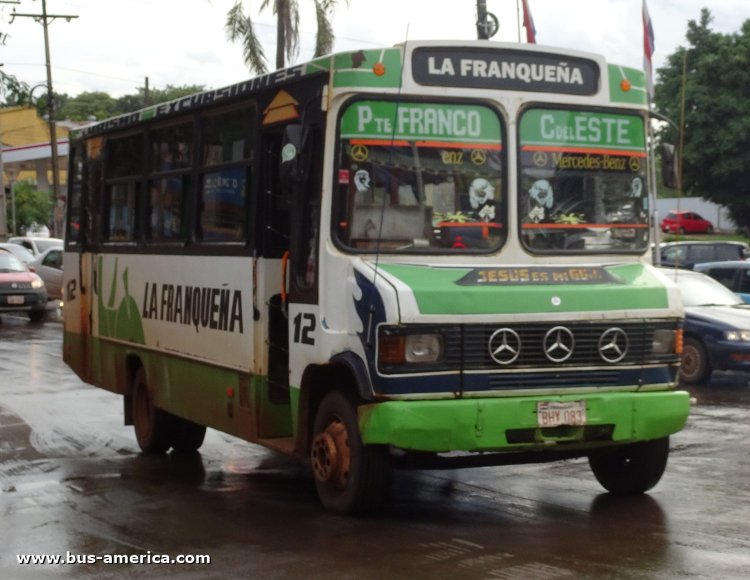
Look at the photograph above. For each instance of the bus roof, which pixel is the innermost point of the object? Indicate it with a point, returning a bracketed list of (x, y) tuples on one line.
[(472, 64)]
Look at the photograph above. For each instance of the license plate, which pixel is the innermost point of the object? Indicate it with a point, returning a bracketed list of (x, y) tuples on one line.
[(15, 299), (555, 413)]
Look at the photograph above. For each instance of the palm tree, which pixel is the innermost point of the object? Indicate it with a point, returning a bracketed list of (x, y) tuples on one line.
[(239, 27)]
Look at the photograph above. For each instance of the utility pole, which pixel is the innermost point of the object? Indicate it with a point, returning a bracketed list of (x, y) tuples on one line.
[(45, 20)]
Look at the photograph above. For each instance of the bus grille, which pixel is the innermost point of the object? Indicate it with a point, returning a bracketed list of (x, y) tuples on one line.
[(583, 343)]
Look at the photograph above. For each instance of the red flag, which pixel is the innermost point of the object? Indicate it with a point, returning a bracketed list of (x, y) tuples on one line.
[(528, 23), (648, 49)]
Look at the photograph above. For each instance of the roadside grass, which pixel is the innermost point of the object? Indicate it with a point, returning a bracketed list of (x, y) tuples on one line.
[(715, 237)]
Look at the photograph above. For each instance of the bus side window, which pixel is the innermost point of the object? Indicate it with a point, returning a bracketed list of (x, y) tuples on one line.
[(120, 222), (171, 153), (123, 165), (224, 176)]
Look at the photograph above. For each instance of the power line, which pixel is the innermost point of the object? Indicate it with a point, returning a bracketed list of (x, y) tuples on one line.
[(76, 70)]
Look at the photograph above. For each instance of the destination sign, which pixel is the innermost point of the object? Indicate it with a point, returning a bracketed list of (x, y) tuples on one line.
[(495, 68), (582, 130), (440, 122)]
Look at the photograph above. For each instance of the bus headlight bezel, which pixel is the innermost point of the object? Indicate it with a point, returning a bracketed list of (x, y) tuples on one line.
[(409, 349)]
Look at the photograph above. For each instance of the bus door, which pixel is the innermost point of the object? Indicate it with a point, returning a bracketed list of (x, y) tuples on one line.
[(290, 207), (276, 251)]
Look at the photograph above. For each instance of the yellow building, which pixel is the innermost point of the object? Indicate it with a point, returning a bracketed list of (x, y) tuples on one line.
[(26, 154), (26, 151)]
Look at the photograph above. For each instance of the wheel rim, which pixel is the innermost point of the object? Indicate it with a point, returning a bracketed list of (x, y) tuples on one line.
[(330, 455), (690, 362)]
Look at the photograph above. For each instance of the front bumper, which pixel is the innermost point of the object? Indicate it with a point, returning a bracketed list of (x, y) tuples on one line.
[(510, 423)]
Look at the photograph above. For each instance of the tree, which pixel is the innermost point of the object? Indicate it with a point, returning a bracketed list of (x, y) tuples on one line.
[(12, 91), (33, 207), (239, 27), (716, 132), (140, 100)]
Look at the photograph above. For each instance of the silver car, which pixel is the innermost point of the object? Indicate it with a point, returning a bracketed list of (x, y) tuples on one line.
[(49, 267)]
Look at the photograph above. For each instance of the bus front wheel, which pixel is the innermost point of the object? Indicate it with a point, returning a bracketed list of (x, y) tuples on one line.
[(153, 427), (631, 469), (350, 477)]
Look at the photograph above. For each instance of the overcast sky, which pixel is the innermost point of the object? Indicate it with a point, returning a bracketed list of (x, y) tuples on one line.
[(114, 45)]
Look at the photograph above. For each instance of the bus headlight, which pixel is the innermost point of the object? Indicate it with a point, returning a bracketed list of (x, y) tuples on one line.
[(667, 341), (399, 349)]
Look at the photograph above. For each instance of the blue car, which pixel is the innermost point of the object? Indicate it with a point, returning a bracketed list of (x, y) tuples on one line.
[(717, 327)]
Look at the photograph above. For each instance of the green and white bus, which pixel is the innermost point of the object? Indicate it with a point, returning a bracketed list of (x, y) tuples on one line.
[(431, 255)]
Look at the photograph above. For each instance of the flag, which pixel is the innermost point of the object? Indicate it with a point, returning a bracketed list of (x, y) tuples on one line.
[(648, 50), (528, 23)]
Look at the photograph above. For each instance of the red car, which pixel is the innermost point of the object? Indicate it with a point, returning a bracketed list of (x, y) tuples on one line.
[(20, 289), (686, 222)]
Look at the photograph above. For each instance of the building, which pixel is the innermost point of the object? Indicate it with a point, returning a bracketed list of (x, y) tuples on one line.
[(26, 154)]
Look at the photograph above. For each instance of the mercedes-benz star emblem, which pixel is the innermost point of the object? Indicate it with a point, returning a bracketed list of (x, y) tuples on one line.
[(558, 344), (613, 345), (505, 346)]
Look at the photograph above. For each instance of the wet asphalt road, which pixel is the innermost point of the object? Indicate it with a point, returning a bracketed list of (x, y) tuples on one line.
[(73, 484)]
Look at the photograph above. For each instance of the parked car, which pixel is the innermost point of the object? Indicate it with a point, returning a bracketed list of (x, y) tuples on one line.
[(734, 274), (18, 251), (36, 245), (21, 290), (686, 222), (49, 267), (686, 254), (716, 333)]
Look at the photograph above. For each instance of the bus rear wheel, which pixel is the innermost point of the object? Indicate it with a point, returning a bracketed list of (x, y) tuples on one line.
[(350, 477), (186, 436), (153, 427), (631, 469)]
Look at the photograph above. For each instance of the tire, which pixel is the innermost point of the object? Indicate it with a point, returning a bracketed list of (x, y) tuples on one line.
[(186, 436), (36, 315), (153, 427), (351, 478), (710, 230), (681, 231), (631, 469), (694, 365)]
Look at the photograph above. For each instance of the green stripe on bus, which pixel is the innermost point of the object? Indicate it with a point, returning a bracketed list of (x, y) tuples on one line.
[(437, 291)]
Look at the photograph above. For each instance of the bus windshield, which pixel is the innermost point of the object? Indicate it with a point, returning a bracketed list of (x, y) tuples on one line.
[(420, 177), (582, 182)]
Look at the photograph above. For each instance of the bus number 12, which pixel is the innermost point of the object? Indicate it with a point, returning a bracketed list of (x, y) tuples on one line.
[(304, 326)]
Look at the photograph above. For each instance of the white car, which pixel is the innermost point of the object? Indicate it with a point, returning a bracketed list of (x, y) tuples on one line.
[(36, 245), (19, 252), (49, 267)]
